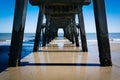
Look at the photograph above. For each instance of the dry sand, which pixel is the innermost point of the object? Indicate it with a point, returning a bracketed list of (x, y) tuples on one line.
[(76, 68)]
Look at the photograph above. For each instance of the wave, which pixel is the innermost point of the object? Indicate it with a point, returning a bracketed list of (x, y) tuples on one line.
[(92, 40), (111, 40), (114, 40), (31, 41), (5, 42)]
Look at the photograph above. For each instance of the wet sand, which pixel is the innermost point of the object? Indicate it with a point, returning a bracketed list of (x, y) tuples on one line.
[(68, 63)]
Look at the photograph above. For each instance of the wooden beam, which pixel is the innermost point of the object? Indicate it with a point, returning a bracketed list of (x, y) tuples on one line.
[(39, 27), (61, 13), (17, 33), (37, 2), (82, 29), (102, 33)]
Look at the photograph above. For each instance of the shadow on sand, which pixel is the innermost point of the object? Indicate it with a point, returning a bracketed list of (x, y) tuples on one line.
[(60, 64), (4, 51)]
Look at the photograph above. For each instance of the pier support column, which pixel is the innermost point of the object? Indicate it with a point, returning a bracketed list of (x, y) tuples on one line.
[(39, 27), (102, 33), (75, 34), (82, 29), (47, 31), (66, 32), (44, 38), (71, 33), (17, 33)]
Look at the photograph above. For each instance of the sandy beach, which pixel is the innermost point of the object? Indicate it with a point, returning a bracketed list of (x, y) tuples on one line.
[(65, 64)]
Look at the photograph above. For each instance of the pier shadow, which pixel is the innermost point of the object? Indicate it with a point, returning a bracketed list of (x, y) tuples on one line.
[(4, 55), (60, 51), (4, 50), (60, 64)]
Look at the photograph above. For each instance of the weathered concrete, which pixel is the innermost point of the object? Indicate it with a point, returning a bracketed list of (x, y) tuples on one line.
[(82, 29), (102, 33), (17, 33), (39, 27)]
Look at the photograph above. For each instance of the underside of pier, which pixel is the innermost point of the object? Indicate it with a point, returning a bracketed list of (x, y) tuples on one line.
[(60, 14)]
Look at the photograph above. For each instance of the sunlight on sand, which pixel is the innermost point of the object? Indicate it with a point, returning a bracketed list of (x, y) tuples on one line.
[(67, 63)]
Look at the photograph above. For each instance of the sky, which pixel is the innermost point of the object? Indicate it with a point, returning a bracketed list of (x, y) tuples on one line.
[(7, 14)]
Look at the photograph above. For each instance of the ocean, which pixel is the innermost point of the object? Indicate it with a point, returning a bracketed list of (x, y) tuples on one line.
[(28, 42), (29, 37)]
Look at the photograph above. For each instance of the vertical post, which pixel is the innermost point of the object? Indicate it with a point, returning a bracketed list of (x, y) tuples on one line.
[(82, 29), (17, 33), (39, 27), (47, 28), (75, 34), (67, 32), (102, 32), (44, 37), (71, 32)]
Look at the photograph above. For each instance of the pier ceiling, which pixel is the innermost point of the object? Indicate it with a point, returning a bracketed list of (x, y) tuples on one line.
[(60, 13), (38, 2)]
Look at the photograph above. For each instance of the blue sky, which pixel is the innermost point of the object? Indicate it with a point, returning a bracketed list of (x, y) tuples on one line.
[(7, 14)]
